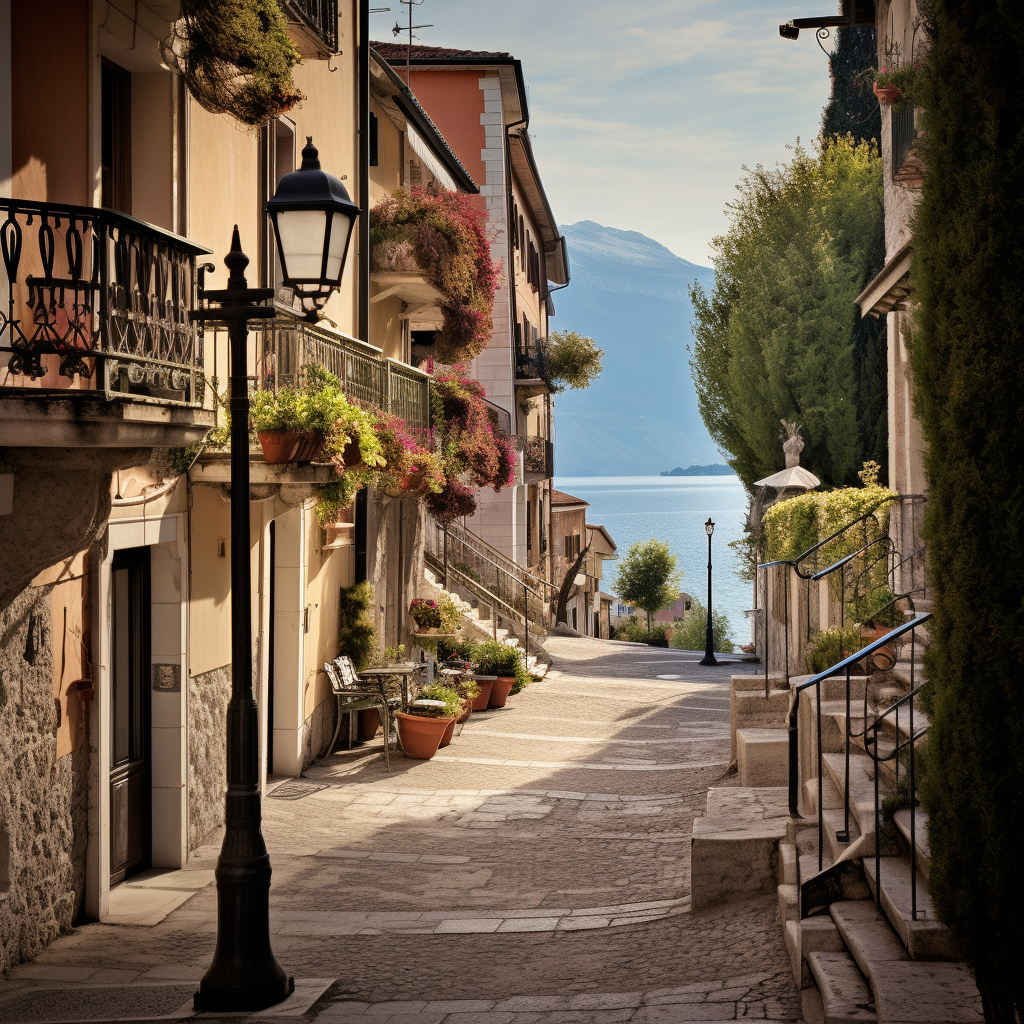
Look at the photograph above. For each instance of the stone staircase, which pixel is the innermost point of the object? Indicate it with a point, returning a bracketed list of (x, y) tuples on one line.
[(483, 627), (860, 948)]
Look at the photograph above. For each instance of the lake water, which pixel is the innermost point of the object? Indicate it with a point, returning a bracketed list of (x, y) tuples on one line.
[(674, 509)]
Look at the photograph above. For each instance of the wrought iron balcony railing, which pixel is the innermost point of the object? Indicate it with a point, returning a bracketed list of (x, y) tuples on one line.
[(530, 361), (98, 296), (286, 345), (538, 457), (320, 16)]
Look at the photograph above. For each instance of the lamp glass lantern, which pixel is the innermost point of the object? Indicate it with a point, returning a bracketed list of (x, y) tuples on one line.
[(710, 527), (313, 217)]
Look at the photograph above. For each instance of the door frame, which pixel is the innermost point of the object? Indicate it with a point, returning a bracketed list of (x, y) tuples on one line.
[(165, 536), (139, 618)]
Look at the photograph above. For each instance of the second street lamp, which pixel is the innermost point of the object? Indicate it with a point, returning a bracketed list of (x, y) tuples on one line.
[(244, 975), (709, 635)]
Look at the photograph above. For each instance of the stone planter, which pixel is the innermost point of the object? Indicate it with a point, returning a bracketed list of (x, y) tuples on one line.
[(421, 736), (500, 691)]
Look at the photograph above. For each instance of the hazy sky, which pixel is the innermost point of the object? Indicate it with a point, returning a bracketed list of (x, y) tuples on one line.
[(643, 113)]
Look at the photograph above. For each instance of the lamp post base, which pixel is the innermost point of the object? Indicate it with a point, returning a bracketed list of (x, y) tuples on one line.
[(708, 659), (244, 975)]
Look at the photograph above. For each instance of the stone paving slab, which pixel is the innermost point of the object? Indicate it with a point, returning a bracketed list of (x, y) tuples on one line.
[(526, 890)]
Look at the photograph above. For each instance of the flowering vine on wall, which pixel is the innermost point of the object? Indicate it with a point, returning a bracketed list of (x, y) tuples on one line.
[(441, 235)]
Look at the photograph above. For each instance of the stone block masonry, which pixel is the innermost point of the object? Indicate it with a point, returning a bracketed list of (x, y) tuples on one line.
[(43, 798), (208, 696)]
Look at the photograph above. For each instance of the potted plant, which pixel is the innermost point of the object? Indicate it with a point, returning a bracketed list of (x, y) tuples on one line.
[(423, 726), (499, 661), (426, 614), (452, 701), (275, 418)]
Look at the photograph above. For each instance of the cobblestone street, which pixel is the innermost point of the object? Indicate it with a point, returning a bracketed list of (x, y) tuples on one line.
[(536, 871)]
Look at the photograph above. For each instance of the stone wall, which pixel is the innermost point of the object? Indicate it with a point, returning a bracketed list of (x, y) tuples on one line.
[(43, 799), (208, 696), (317, 732)]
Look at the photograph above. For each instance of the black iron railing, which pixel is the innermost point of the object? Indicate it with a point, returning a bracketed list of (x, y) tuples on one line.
[(319, 15), (530, 361), (97, 295), (903, 132), (873, 725), (860, 561), (486, 572), (285, 346)]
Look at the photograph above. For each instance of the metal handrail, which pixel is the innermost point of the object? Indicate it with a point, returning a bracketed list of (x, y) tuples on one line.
[(828, 540), (845, 666), (496, 558)]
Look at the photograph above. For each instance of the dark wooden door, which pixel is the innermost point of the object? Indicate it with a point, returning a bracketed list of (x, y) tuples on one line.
[(129, 714)]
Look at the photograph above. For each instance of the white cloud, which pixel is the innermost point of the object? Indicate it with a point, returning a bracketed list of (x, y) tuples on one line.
[(642, 114)]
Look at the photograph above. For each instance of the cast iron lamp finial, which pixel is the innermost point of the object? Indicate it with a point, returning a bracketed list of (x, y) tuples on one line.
[(236, 261)]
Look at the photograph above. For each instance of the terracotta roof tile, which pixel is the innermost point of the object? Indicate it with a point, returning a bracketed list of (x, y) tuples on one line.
[(561, 498), (396, 52)]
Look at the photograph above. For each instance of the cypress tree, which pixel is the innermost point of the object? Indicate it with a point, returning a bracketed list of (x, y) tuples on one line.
[(852, 108), (968, 359)]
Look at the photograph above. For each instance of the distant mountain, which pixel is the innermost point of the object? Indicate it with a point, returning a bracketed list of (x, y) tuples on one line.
[(629, 293), (715, 469)]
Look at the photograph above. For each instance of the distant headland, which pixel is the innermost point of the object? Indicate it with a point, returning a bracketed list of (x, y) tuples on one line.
[(717, 469)]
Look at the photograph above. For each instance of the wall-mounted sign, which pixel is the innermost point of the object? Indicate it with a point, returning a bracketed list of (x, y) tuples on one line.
[(167, 678)]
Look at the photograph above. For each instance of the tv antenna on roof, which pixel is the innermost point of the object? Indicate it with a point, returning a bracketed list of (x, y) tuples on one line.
[(398, 30)]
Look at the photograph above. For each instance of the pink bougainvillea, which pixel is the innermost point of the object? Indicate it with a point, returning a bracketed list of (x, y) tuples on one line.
[(443, 234)]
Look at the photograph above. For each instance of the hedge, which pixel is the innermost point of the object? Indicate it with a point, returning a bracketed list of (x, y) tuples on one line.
[(968, 360)]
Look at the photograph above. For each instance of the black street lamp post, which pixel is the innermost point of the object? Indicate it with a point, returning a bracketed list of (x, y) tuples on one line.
[(709, 634), (244, 975)]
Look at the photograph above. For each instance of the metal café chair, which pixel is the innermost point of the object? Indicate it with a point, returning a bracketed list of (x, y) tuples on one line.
[(355, 694)]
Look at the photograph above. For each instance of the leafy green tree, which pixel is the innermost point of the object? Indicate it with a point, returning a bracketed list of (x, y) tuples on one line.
[(692, 634), (778, 336), (968, 360), (648, 577), (571, 360)]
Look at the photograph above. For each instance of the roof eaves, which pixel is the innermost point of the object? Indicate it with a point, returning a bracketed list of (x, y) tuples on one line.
[(406, 101), (555, 249)]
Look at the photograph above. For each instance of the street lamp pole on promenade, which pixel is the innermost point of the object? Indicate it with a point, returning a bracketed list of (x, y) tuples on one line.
[(709, 634), (313, 218)]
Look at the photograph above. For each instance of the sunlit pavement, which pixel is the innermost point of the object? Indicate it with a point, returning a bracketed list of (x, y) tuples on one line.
[(536, 870)]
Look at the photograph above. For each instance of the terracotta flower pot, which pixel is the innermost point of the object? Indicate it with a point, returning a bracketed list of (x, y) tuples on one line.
[(421, 736), (481, 699), (500, 691), (885, 657), (310, 444), (369, 723), (279, 446), (887, 94), (464, 717), (448, 733)]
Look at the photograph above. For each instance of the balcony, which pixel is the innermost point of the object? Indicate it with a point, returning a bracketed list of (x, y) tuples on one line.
[(530, 381), (538, 459), (286, 345), (314, 25), (907, 162), (96, 345)]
